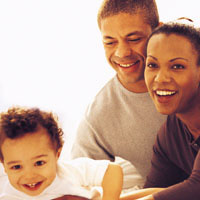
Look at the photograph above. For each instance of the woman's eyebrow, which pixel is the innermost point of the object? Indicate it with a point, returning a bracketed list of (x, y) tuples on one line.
[(178, 59), (152, 57)]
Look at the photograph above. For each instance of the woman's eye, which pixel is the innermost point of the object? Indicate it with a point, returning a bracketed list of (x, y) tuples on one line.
[(178, 67), (16, 167), (40, 163), (151, 65)]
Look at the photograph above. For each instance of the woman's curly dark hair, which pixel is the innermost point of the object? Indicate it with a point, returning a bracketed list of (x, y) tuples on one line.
[(18, 121)]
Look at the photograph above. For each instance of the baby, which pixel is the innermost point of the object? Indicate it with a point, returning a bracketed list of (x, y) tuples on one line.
[(30, 145)]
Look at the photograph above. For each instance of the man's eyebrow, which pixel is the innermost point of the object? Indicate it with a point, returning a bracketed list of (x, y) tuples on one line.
[(135, 33), (108, 37), (178, 59), (128, 35)]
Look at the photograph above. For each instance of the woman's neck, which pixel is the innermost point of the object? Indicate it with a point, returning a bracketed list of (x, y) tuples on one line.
[(191, 118)]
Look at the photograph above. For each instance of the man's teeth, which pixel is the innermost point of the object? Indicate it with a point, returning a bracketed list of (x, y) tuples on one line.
[(127, 65), (165, 93)]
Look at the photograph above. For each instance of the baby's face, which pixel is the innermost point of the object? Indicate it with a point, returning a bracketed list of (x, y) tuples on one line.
[(30, 162)]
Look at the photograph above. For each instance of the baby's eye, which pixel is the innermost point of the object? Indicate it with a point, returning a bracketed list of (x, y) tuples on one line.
[(16, 167), (40, 163), (178, 67)]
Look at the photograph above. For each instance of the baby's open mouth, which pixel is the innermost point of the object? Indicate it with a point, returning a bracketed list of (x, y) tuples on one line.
[(32, 186)]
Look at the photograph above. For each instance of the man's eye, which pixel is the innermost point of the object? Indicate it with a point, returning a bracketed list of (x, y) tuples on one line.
[(134, 40), (40, 163), (16, 167), (178, 67), (108, 43)]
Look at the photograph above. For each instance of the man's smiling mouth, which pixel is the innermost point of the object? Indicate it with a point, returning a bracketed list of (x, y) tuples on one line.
[(127, 65)]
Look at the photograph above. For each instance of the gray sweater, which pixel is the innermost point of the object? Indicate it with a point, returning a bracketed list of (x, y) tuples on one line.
[(119, 123)]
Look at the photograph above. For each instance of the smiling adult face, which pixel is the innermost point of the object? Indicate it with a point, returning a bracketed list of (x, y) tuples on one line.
[(124, 38), (172, 74)]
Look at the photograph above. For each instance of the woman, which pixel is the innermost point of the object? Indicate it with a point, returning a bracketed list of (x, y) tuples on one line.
[(172, 76)]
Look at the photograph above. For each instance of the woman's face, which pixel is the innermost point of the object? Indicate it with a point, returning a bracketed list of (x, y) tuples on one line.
[(171, 73)]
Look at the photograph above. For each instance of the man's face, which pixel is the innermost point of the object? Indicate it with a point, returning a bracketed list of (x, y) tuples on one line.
[(30, 162), (171, 74), (124, 39)]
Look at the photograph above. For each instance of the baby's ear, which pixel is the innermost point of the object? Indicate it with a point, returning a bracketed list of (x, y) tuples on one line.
[(58, 152), (5, 169), (1, 161)]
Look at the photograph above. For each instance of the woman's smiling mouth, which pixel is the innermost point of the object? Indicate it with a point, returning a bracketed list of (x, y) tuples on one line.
[(165, 92)]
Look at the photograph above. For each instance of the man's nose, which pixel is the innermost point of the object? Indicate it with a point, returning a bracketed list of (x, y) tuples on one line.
[(123, 50)]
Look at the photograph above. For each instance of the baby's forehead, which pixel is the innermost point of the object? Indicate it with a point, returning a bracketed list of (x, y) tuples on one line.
[(36, 137), (28, 146)]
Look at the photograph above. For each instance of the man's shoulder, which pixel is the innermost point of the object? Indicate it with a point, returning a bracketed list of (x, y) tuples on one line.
[(107, 90), (104, 98)]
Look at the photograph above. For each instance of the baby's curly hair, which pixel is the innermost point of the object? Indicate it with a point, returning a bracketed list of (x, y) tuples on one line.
[(18, 121)]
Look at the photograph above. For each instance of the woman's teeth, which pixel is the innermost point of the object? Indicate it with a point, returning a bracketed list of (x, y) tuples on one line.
[(164, 93)]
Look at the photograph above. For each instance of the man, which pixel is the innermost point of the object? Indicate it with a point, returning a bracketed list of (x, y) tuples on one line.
[(122, 120)]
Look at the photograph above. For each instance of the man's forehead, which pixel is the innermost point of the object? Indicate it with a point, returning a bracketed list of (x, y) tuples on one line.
[(125, 18), (124, 24), (132, 14)]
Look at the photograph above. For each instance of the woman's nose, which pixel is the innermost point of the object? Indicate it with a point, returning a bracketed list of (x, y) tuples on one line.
[(162, 76)]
